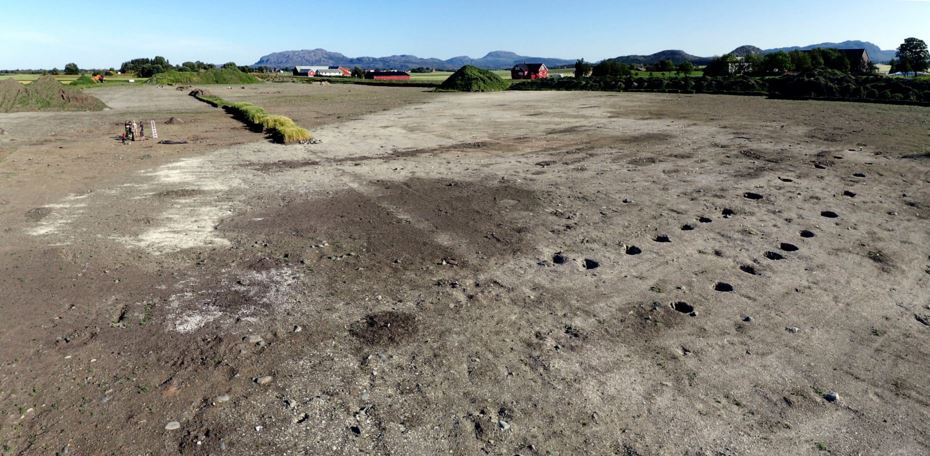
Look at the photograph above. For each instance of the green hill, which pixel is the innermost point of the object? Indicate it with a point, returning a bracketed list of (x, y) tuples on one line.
[(214, 76), (473, 79)]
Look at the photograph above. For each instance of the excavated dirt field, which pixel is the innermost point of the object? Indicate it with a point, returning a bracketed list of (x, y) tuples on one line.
[(513, 273)]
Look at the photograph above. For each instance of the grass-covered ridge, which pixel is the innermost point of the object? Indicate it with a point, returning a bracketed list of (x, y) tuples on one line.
[(211, 76), (473, 79), (281, 129)]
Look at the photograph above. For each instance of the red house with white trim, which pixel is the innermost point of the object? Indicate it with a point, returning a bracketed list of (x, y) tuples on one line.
[(529, 71)]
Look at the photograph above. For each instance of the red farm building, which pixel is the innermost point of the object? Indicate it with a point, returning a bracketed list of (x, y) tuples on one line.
[(387, 75), (529, 71)]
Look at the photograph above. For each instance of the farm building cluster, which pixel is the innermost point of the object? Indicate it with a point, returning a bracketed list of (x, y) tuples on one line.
[(519, 71), (343, 72)]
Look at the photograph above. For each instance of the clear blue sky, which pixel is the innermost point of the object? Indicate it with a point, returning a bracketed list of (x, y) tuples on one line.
[(104, 33)]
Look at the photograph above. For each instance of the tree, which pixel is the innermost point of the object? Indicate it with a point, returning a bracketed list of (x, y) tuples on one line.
[(583, 69), (913, 55), (358, 73), (753, 63), (230, 66), (72, 68), (610, 69), (685, 68), (801, 61), (776, 63), (721, 66), (666, 66)]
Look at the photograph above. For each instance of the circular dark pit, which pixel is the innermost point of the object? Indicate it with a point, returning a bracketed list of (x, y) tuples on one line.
[(748, 269), (662, 238), (806, 234), (590, 264), (829, 214), (687, 227), (774, 256), (633, 250), (558, 258), (705, 220), (683, 307), (788, 247), (752, 196), (723, 287), (727, 213)]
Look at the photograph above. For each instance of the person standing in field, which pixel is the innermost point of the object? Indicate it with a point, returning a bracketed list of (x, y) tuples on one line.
[(142, 130)]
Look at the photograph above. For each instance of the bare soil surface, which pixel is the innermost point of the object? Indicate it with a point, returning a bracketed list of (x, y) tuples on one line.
[(514, 273)]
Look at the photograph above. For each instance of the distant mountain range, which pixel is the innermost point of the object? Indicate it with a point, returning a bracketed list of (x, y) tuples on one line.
[(505, 59), (875, 52), (494, 60)]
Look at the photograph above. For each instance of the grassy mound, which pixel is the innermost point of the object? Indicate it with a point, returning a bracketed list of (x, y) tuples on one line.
[(45, 94), (84, 81), (281, 129), (214, 76), (473, 79)]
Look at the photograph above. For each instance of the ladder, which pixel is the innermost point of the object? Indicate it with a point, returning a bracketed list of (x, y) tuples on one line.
[(154, 131)]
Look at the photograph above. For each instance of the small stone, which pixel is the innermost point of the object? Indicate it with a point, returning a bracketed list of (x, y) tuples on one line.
[(255, 339), (748, 319), (505, 426), (793, 329), (264, 380), (222, 399), (172, 426), (831, 396), (300, 418), (298, 328)]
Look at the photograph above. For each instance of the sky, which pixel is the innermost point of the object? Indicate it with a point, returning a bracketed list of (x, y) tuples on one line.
[(105, 33)]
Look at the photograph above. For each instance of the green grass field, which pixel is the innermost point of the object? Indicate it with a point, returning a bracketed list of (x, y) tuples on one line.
[(440, 76), (26, 78)]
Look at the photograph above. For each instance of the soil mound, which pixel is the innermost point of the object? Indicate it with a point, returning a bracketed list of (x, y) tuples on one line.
[(45, 94), (173, 121), (473, 79), (214, 76)]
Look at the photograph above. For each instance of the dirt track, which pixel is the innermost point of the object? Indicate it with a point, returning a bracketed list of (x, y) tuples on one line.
[(395, 289)]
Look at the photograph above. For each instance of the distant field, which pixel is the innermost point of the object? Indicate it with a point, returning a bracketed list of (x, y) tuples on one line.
[(440, 76), (26, 78)]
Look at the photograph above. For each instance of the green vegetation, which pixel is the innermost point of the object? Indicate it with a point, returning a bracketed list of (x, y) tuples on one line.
[(473, 79), (280, 128), (819, 85), (583, 69), (72, 69), (84, 81), (146, 68), (213, 76), (45, 94), (912, 56)]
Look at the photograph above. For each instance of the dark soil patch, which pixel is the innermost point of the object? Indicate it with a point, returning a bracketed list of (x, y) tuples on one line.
[(723, 287), (687, 227), (590, 264), (705, 220), (859, 175), (179, 193), (37, 214), (633, 250), (385, 328), (727, 213), (748, 269), (829, 214), (807, 234), (849, 194), (282, 165), (752, 196), (559, 258), (663, 239)]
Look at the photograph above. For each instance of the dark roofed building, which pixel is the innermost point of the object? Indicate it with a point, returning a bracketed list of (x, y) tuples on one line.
[(859, 60)]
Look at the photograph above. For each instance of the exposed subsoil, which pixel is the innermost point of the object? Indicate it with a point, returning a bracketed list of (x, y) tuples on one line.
[(516, 273)]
